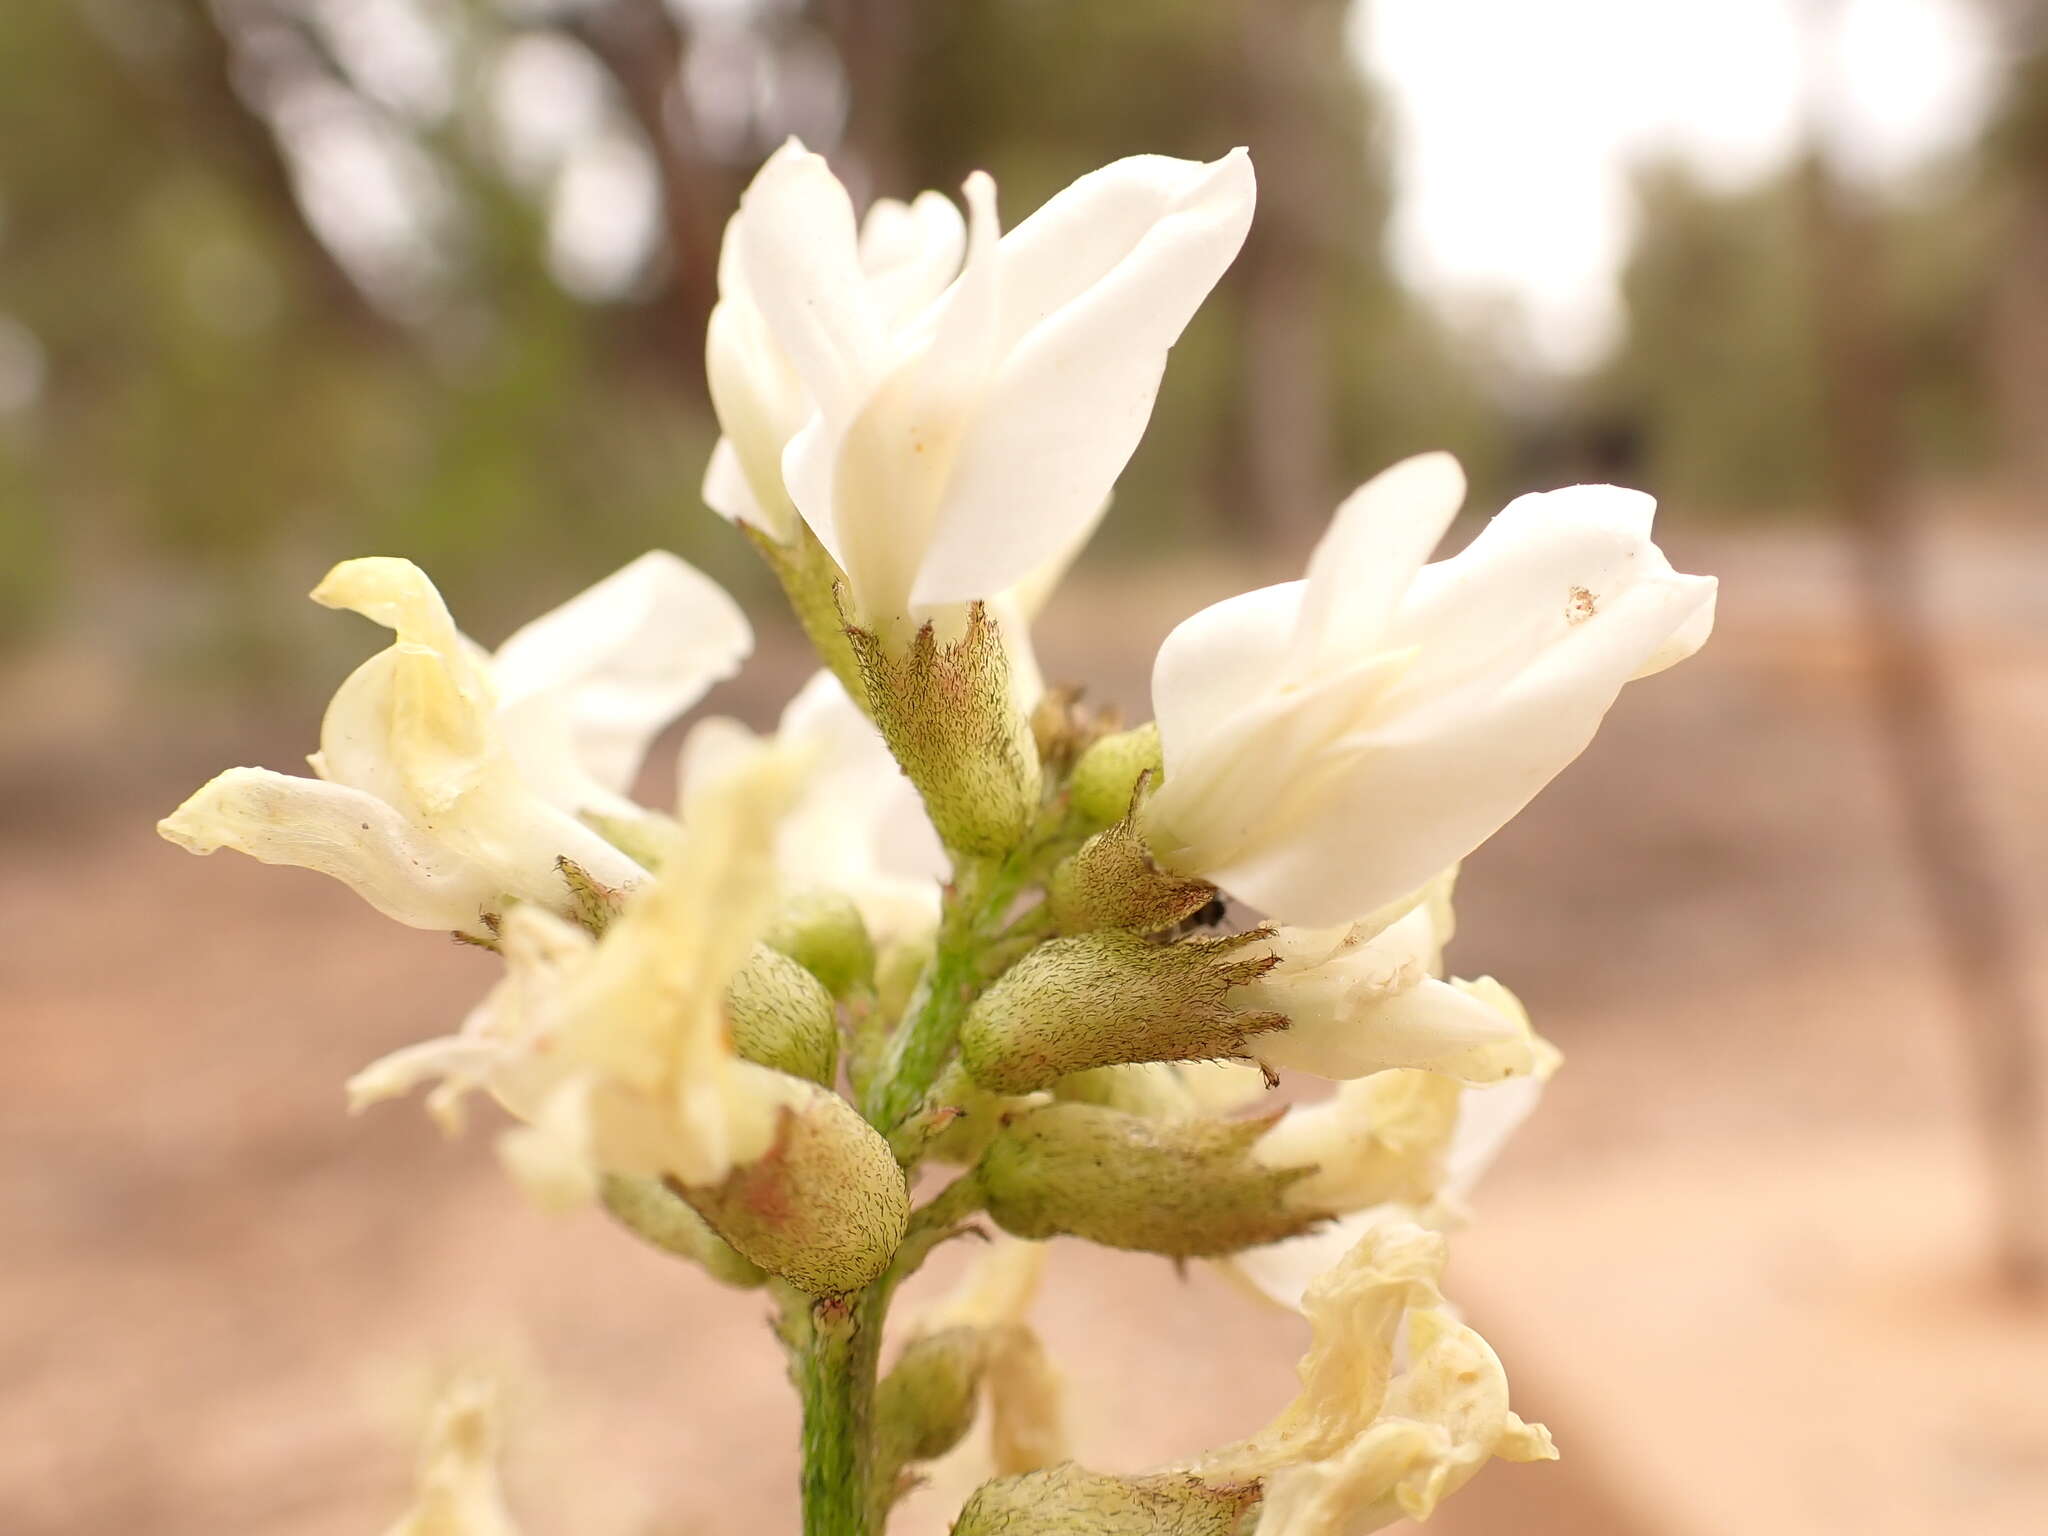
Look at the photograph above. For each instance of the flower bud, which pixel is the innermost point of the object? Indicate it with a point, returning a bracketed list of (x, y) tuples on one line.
[(653, 1211), (1107, 774), (948, 714), (1102, 999), (781, 1017), (925, 1405), (824, 1208), (1111, 882), (1071, 1499), (1184, 1188), (822, 931)]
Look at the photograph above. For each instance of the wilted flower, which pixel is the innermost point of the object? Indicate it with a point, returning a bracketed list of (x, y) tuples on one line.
[(1365, 1445), (947, 449), (616, 1053), (1333, 742), (1399, 1146), (449, 781)]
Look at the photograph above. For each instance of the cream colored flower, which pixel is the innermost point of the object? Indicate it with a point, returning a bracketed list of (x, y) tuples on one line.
[(1333, 742), (857, 825), (458, 1492), (1397, 1147), (615, 1053), (951, 445), (1365, 1444), (448, 782), (584, 689), (1365, 997)]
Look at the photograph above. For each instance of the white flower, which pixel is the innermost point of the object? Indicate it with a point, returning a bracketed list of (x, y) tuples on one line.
[(1366, 997), (1396, 1147), (584, 690), (907, 254), (438, 800), (615, 1053), (1333, 742), (857, 825), (1364, 1445), (951, 446)]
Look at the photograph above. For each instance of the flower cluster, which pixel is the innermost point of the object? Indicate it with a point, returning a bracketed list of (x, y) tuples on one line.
[(940, 917)]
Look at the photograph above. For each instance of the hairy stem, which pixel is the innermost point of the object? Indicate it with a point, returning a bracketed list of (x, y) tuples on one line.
[(835, 1368), (981, 893)]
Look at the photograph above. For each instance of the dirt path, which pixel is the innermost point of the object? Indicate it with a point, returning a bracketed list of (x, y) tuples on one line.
[(218, 1292)]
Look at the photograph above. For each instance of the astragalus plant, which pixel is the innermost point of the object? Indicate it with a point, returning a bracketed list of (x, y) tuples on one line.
[(944, 954)]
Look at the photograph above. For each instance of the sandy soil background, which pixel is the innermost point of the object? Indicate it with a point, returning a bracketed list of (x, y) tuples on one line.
[(1736, 1263)]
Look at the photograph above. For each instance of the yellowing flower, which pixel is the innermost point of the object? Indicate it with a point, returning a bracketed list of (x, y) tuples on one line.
[(1333, 742), (616, 1053), (449, 782), (946, 444), (1365, 1444), (458, 1492), (1395, 1147)]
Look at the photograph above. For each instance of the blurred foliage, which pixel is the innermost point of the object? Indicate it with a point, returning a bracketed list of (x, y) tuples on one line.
[(1716, 383), (210, 388)]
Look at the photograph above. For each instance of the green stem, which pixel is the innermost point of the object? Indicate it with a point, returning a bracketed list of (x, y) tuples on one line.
[(950, 983), (835, 1371)]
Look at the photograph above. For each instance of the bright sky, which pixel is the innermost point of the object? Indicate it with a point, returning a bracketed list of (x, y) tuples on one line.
[(1516, 121)]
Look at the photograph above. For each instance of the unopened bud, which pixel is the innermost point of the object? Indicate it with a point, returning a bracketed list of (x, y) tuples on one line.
[(1102, 999), (897, 970), (1185, 1188), (782, 1017), (1111, 882), (1068, 1500), (653, 1211), (1107, 775), (822, 931), (947, 713), (925, 1405), (824, 1208)]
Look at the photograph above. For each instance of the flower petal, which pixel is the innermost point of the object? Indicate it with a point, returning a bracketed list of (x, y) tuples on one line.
[(1094, 296), (800, 254), (909, 252), (584, 689), (1428, 785), (344, 833), (1220, 663), (1379, 539)]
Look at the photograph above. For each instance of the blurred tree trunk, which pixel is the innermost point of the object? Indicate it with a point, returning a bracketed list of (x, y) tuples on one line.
[(2019, 333), (1284, 273), (874, 39), (1971, 920), (641, 45)]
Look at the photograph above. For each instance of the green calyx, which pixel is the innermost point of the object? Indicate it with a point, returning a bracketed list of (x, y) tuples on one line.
[(782, 1017), (946, 710), (824, 1208), (1105, 999), (1069, 1500), (1186, 1188)]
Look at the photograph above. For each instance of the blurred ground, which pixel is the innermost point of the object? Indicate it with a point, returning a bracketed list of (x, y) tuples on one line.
[(1734, 1263)]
